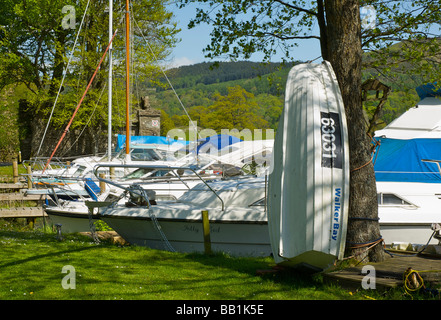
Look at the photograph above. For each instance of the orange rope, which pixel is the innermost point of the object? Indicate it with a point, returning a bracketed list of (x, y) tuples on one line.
[(377, 143), (363, 165)]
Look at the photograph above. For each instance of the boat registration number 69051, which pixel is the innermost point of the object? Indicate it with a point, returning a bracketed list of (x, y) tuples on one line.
[(331, 140)]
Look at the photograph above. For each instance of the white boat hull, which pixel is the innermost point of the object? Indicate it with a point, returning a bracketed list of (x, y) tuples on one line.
[(72, 222), (237, 218), (412, 233), (407, 211), (234, 238), (309, 182)]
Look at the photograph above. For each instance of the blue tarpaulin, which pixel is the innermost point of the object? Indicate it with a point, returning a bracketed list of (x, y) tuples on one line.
[(400, 160), (220, 141), (146, 140), (428, 90)]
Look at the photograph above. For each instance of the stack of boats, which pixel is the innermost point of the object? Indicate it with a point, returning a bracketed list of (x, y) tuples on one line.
[(293, 203), (166, 180)]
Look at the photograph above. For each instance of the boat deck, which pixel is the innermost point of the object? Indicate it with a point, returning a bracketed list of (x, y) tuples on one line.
[(390, 273)]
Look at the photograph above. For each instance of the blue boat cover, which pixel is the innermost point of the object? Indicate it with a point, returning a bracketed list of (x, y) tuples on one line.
[(428, 90), (220, 141), (400, 160), (146, 140)]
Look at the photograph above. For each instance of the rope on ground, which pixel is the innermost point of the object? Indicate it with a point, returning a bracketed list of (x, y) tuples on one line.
[(413, 281)]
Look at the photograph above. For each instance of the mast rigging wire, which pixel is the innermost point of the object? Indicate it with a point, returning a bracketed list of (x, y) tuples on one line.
[(80, 102), (64, 76), (163, 72)]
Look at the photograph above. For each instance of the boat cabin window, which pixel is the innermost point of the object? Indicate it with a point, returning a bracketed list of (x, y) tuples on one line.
[(258, 203), (165, 197), (390, 199), (144, 172), (145, 155), (138, 173), (79, 171)]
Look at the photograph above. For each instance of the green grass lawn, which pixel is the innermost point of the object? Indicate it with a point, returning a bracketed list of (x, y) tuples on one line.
[(31, 264), (31, 268), (8, 171)]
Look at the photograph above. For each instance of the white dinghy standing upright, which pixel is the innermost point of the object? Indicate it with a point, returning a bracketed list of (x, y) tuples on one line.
[(309, 183)]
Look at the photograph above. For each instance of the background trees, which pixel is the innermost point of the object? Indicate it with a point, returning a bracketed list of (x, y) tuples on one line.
[(35, 49), (237, 110)]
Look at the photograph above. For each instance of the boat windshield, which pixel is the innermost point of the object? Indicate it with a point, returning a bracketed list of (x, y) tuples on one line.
[(141, 154), (79, 171), (142, 172), (145, 155), (258, 203)]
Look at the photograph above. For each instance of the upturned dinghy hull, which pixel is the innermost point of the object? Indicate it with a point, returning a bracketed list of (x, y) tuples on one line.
[(309, 182)]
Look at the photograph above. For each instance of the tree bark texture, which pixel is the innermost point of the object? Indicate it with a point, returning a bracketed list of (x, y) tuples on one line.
[(343, 32)]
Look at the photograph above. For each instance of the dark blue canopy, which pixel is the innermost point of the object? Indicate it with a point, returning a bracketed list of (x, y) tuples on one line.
[(220, 141), (428, 90), (400, 160)]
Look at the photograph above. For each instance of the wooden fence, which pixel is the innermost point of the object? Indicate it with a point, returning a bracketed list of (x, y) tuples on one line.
[(14, 202)]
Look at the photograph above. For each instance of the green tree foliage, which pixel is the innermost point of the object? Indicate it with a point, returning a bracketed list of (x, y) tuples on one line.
[(404, 40), (238, 109), (35, 49), (401, 46), (167, 123), (243, 27), (218, 72), (267, 88), (8, 127)]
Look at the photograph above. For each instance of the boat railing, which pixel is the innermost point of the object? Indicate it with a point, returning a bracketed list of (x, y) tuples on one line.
[(66, 189), (153, 167), (38, 163)]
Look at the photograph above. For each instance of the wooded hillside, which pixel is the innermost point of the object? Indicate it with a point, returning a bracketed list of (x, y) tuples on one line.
[(200, 86), (252, 90)]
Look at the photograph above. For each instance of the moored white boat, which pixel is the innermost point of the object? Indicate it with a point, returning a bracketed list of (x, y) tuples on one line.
[(237, 217), (408, 185), (74, 216), (168, 184), (408, 210)]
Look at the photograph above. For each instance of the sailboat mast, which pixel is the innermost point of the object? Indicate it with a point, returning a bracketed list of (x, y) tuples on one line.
[(109, 125), (127, 80)]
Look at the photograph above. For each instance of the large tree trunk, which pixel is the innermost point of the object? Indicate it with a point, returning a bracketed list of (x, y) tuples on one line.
[(343, 31)]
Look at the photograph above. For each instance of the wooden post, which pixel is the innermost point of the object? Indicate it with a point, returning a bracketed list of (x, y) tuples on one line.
[(206, 225), (29, 170), (15, 170), (102, 183), (112, 173), (31, 222)]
